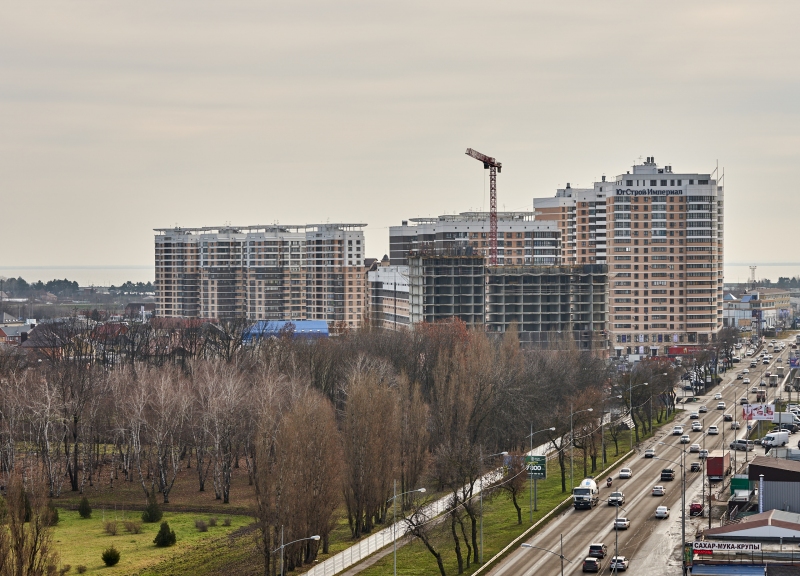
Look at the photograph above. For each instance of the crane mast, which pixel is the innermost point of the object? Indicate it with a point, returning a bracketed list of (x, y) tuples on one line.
[(494, 167)]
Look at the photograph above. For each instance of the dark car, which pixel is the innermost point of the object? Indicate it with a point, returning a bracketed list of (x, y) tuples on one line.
[(668, 474), (695, 509), (592, 564), (695, 467), (598, 550), (727, 417)]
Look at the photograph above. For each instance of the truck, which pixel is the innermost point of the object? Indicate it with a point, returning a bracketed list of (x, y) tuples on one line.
[(718, 464), (773, 381), (787, 419), (586, 495), (780, 371), (775, 439), (761, 395)]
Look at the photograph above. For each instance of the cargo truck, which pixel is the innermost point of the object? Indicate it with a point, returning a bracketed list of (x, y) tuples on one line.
[(775, 439), (761, 395), (780, 371), (586, 495), (718, 464), (773, 381)]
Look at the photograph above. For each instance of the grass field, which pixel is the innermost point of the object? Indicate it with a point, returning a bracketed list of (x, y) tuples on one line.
[(81, 542)]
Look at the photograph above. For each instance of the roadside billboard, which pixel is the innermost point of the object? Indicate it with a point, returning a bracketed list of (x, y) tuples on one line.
[(758, 412)]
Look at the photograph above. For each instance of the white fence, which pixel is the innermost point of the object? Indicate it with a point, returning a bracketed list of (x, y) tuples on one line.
[(357, 552)]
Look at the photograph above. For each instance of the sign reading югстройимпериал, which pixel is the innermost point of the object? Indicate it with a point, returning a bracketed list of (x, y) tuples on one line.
[(648, 192)]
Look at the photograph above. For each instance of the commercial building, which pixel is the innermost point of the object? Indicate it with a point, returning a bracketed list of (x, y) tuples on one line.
[(521, 241), (274, 272), (663, 234), (760, 308)]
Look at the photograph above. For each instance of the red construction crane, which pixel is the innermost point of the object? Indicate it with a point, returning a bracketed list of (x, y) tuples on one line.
[(494, 167)]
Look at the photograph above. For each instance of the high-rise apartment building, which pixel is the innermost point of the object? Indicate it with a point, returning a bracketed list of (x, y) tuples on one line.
[(520, 240), (273, 272), (663, 236)]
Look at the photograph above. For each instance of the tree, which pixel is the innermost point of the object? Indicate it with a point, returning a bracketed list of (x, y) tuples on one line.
[(514, 480)]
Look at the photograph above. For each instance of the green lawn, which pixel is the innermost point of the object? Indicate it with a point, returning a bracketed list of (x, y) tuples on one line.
[(499, 520), (81, 542)]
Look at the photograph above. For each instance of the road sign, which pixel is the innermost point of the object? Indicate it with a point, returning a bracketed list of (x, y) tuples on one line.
[(536, 466)]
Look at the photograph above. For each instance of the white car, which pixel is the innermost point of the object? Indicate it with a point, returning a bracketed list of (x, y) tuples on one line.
[(677, 430), (694, 448), (662, 512), (697, 427), (712, 430), (735, 425), (746, 381), (618, 563), (625, 473), (720, 405), (621, 523), (659, 490), (650, 453), (685, 439), (746, 371), (718, 396), (703, 454)]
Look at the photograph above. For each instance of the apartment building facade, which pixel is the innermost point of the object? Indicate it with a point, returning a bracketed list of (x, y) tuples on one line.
[(664, 248), (520, 240), (387, 287), (274, 272)]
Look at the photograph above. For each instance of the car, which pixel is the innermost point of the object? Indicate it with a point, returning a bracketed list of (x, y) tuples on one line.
[(618, 564), (703, 454), (697, 426), (727, 417), (767, 374), (779, 360), (649, 453), (754, 389), (739, 376), (668, 474), (702, 409), (712, 430), (591, 564), (695, 467), (598, 550), (765, 361), (659, 490), (744, 401), (694, 416), (720, 405), (769, 356), (745, 371), (694, 448), (625, 473), (616, 499), (746, 381), (695, 509), (742, 444), (753, 364), (677, 430), (735, 425), (622, 524), (685, 439), (718, 396), (662, 512)]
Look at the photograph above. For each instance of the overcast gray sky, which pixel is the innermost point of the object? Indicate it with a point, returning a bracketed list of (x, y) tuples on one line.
[(119, 117)]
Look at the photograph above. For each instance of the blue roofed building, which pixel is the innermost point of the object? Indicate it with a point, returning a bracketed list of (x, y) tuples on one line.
[(308, 329)]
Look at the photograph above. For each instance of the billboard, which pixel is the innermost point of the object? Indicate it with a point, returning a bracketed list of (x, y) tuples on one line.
[(758, 412), (726, 546), (536, 466)]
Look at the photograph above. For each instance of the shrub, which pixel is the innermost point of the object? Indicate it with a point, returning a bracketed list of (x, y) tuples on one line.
[(226, 522), (84, 509), (133, 526), (212, 522), (110, 527), (201, 525), (53, 513), (153, 511), (110, 556), (80, 568), (165, 536)]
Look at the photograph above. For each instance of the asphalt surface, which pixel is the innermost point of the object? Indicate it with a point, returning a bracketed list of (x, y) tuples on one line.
[(651, 545)]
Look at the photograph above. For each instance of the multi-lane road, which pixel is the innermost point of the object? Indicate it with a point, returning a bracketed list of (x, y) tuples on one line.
[(653, 546)]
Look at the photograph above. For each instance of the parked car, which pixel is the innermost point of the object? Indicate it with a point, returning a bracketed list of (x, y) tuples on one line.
[(618, 563), (622, 524), (694, 448), (712, 430), (695, 509), (592, 564), (625, 473), (649, 453), (697, 427), (662, 512), (598, 550), (659, 490)]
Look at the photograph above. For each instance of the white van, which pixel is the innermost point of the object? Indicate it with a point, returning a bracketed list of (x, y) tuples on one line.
[(774, 439)]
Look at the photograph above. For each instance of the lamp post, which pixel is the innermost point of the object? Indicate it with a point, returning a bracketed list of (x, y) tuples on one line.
[(630, 403), (683, 490), (572, 445), (617, 507), (560, 555), (282, 546), (532, 485), (393, 500), (480, 558)]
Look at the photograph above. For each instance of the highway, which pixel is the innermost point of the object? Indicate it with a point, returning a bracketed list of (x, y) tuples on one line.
[(653, 543)]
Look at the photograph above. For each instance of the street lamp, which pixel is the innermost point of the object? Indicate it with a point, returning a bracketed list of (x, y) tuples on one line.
[(282, 546), (480, 559), (532, 485), (572, 445), (393, 500), (561, 555), (683, 490), (617, 507), (630, 402)]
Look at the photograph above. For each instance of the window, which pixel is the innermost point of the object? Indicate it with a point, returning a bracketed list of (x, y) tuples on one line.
[(653, 182), (628, 182)]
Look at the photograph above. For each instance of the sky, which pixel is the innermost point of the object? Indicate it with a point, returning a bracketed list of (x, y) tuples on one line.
[(121, 117)]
